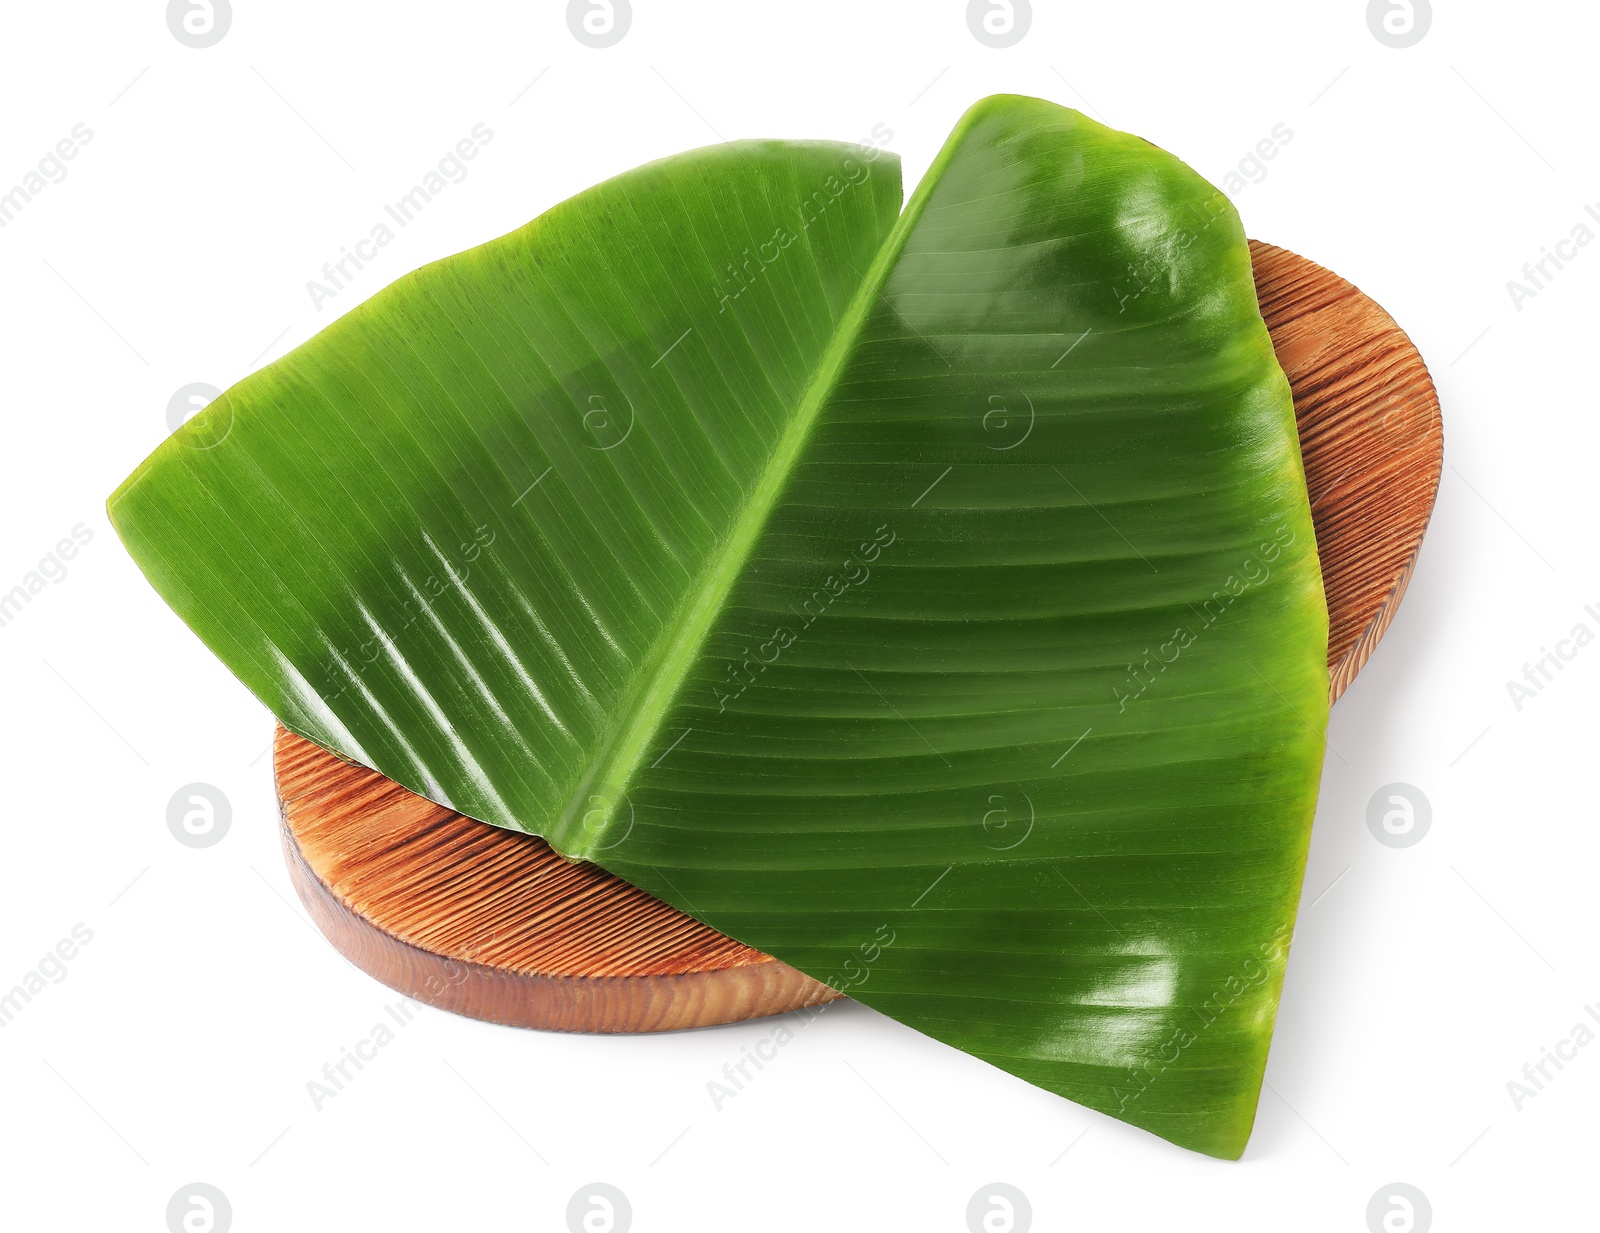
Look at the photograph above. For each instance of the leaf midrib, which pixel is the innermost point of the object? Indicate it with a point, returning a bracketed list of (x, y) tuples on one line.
[(647, 704)]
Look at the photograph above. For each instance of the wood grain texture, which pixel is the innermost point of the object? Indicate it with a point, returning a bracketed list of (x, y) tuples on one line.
[(1371, 439), (494, 924)]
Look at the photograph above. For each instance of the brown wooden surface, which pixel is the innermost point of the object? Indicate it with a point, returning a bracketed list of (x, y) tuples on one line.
[(1371, 438), (493, 924)]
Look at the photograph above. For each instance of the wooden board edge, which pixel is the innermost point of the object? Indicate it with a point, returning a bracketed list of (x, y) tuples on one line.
[(601, 1004)]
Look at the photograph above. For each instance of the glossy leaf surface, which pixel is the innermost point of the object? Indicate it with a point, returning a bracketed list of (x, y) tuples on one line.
[(930, 601)]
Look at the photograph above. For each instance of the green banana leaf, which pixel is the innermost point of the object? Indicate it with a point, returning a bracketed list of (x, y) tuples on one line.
[(928, 598)]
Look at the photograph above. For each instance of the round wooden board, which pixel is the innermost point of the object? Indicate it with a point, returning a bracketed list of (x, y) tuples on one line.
[(494, 924)]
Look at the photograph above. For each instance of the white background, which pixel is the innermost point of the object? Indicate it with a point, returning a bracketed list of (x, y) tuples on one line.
[(177, 249)]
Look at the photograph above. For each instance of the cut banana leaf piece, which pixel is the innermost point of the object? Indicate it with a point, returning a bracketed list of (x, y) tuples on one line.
[(926, 598)]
